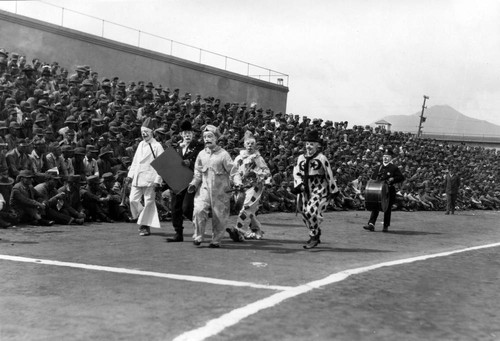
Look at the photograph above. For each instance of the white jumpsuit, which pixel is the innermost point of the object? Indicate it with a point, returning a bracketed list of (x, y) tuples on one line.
[(144, 177), (211, 177)]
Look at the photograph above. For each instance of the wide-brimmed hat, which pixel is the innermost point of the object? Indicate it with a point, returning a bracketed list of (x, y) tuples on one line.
[(26, 174), (93, 179), (49, 175), (105, 151), (73, 178)]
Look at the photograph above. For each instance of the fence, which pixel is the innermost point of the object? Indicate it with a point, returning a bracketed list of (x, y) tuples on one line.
[(67, 18)]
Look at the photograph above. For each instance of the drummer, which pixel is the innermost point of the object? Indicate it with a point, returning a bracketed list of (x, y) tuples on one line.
[(390, 174)]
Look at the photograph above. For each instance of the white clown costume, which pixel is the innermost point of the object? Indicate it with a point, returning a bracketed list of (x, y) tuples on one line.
[(249, 170), (314, 184), (211, 183), (144, 180)]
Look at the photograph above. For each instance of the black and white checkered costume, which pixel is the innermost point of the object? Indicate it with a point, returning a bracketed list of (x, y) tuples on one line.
[(315, 174)]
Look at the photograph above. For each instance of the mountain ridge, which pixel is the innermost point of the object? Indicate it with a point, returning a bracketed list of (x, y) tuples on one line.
[(442, 119)]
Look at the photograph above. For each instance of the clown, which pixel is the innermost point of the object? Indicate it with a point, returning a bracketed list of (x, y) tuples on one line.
[(314, 185), (145, 179), (249, 173), (211, 184), (182, 202)]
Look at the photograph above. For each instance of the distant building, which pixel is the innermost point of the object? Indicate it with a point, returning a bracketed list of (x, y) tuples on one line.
[(384, 125)]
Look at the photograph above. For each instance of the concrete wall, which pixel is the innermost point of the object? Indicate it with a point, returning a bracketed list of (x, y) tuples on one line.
[(70, 48)]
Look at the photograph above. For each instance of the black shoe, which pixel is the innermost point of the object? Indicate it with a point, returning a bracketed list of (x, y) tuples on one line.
[(313, 242), (214, 246), (385, 229), (447, 213), (196, 243), (4, 224), (44, 222), (234, 235), (319, 235), (144, 230), (369, 227), (178, 237)]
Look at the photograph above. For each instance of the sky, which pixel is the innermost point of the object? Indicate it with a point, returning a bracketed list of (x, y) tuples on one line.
[(356, 60)]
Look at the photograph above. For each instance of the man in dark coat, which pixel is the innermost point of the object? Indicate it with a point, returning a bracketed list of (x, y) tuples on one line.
[(389, 173), (23, 199), (182, 202), (451, 183)]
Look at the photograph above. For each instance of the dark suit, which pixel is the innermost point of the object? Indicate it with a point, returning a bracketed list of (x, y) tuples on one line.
[(23, 201), (451, 183), (183, 202), (16, 161), (384, 173)]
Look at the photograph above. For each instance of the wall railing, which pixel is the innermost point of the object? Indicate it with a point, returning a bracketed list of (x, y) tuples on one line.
[(71, 19)]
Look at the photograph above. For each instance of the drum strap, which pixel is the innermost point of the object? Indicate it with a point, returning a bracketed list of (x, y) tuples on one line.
[(378, 173)]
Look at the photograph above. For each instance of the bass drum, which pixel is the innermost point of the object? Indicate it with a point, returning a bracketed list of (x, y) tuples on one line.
[(376, 196)]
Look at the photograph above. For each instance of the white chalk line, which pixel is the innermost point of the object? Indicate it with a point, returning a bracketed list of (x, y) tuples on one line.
[(199, 279), (215, 326)]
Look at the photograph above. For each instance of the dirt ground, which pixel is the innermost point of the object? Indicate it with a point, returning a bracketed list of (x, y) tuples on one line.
[(111, 284)]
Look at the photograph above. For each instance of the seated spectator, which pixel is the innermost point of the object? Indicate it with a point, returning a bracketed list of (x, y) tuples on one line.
[(54, 201), (18, 159), (116, 210), (23, 201), (95, 200), (72, 204), (7, 214)]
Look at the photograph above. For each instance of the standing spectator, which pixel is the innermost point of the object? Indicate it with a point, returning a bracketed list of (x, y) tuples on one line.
[(452, 185)]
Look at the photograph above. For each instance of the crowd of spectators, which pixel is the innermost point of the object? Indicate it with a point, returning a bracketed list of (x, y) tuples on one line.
[(68, 126)]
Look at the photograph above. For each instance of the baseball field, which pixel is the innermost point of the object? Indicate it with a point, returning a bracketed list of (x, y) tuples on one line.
[(431, 277)]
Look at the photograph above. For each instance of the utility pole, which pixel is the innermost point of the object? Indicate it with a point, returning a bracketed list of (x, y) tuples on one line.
[(422, 118)]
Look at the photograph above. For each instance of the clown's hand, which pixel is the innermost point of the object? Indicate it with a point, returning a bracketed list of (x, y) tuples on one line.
[(297, 189)]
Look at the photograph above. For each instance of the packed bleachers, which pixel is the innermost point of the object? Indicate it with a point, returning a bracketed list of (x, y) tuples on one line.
[(79, 129)]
